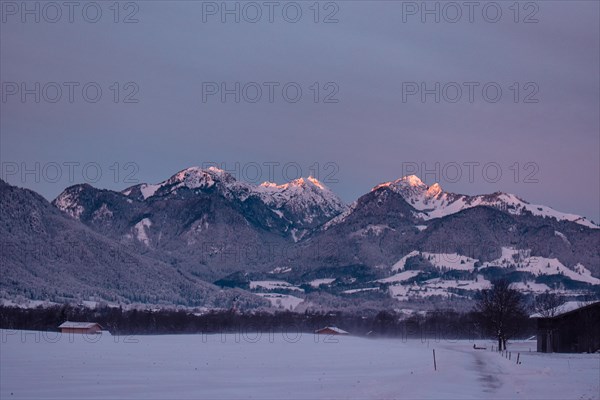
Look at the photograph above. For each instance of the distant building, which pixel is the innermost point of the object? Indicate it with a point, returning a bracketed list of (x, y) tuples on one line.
[(331, 330), (570, 328), (80, 327)]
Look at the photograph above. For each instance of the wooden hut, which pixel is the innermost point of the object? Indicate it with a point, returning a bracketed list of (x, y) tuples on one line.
[(331, 330), (573, 327), (80, 327)]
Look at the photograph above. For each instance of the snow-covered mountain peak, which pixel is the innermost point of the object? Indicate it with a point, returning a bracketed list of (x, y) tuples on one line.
[(412, 188), (309, 182), (410, 180), (191, 178), (409, 183), (268, 185), (297, 184), (434, 190), (68, 201), (432, 202), (300, 184), (307, 202), (316, 182), (310, 189), (303, 201), (302, 190), (196, 177)]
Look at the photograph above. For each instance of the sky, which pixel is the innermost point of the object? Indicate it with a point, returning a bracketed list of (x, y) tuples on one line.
[(483, 99)]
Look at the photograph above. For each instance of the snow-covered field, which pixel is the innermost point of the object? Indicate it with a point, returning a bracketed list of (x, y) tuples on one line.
[(273, 285), (278, 366), (281, 300)]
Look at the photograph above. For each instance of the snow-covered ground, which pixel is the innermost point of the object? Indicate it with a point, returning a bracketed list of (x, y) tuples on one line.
[(141, 230), (479, 284), (400, 277), (410, 292), (277, 300), (318, 282), (276, 366), (531, 287), (273, 285), (450, 261), (351, 291)]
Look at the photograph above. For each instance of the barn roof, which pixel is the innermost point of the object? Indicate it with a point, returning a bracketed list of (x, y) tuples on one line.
[(80, 325), (333, 328), (564, 308)]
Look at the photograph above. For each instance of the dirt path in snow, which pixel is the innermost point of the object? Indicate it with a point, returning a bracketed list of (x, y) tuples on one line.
[(487, 373), (487, 368)]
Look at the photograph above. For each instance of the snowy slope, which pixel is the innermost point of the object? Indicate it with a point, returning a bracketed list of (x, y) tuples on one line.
[(479, 284), (68, 202), (541, 265), (399, 265), (285, 301), (341, 217), (450, 261), (141, 230), (399, 277), (318, 282), (439, 260), (273, 285), (522, 259)]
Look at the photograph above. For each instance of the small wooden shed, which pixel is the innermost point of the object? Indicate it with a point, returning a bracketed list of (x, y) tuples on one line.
[(331, 330), (80, 327)]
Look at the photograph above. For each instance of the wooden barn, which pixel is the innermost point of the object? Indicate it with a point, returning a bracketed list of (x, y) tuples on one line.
[(570, 328), (80, 327), (331, 330)]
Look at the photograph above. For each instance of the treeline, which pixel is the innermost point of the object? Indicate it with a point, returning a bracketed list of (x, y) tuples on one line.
[(443, 325)]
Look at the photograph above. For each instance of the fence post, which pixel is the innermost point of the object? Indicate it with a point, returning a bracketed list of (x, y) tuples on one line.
[(518, 356), (434, 363)]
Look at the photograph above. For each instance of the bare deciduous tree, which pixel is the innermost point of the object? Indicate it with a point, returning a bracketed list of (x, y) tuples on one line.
[(548, 304), (501, 310)]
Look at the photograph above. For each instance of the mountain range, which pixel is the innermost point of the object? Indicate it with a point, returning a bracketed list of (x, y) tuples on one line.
[(203, 238)]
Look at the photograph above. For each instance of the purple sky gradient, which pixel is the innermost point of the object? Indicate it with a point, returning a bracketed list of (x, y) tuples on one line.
[(370, 134)]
